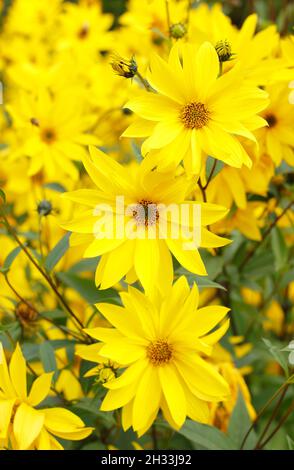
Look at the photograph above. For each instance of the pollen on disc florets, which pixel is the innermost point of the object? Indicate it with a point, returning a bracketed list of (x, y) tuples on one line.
[(224, 50), (145, 213), (159, 352), (194, 115)]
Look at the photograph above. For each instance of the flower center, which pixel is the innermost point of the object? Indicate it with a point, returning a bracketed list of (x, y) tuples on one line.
[(194, 115), (145, 213), (159, 352), (48, 136), (26, 312), (271, 119), (84, 31)]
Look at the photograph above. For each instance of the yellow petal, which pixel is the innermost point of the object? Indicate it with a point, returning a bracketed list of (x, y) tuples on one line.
[(5, 382), (174, 393), (40, 389), (65, 424), (27, 425), (147, 398), (18, 374), (6, 407), (189, 259)]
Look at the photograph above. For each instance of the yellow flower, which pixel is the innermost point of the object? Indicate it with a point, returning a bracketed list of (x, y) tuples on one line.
[(251, 297), (145, 253), (247, 221), (274, 318), (24, 427), (277, 140), (53, 132), (195, 110), (159, 342), (255, 52), (220, 413), (84, 31)]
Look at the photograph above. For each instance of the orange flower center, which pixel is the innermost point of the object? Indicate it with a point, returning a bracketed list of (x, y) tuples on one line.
[(159, 352), (48, 136), (271, 119), (194, 115)]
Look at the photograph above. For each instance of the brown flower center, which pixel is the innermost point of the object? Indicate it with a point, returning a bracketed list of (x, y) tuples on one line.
[(84, 31), (26, 312), (159, 352), (145, 213), (194, 115), (48, 135), (271, 119)]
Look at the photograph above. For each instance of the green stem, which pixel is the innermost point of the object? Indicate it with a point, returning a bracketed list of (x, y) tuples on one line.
[(143, 81)]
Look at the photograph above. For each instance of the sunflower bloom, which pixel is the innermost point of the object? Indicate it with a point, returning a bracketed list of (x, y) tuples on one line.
[(146, 255), (160, 343), (22, 427), (277, 140), (195, 111)]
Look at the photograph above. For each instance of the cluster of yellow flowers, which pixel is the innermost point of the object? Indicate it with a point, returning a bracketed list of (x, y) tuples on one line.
[(173, 106)]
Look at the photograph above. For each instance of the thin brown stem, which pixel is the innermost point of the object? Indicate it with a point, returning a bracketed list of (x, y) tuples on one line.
[(202, 189), (210, 174), (42, 272), (272, 417), (40, 315), (18, 295), (282, 421), (263, 409)]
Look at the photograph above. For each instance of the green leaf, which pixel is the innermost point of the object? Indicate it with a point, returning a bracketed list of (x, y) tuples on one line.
[(9, 260), (290, 443), (47, 357), (239, 424), (53, 314), (58, 252), (85, 265), (55, 187), (278, 355), (87, 289), (209, 165), (201, 281), (259, 266), (279, 248), (9, 326), (207, 436)]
